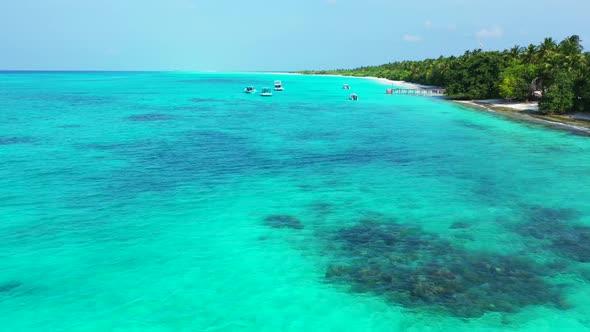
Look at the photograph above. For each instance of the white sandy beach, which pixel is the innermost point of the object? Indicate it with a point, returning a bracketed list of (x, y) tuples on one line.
[(498, 103), (402, 84), (517, 110), (517, 106)]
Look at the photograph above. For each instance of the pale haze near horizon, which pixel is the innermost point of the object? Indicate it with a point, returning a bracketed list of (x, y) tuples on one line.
[(261, 35)]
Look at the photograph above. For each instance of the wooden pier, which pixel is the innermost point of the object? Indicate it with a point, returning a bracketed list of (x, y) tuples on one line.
[(417, 92)]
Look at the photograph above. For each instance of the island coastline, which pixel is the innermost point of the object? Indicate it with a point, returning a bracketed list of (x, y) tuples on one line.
[(515, 111), (578, 123)]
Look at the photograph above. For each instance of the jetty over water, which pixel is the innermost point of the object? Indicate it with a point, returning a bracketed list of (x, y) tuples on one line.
[(417, 92)]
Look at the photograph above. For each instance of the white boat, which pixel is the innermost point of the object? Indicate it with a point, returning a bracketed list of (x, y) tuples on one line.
[(266, 92), (279, 86), (346, 87), (250, 89), (354, 97)]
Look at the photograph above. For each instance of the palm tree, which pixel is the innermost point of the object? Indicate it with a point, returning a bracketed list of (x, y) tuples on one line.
[(547, 59), (516, 51), (529, 53), (570, 51), (547, 47), (571, 45)]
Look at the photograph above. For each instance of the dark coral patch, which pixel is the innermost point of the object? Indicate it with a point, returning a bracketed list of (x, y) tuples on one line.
[(9, 286), (416, 269), (73, 99), (468, 124), (460, 225), (465, 236), (205, 100), (573, 243), (206, 156), (11, 140), (321, 208), (150, 117), (283, 221), (559, 229), (541, 222)]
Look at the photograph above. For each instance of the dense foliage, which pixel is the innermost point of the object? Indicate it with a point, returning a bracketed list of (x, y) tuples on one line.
[(558, 74)]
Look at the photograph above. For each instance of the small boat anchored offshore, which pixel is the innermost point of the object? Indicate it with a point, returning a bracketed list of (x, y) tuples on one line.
[(354, 97), (279, 86), (250, 89), (346, 87), (266, 92)]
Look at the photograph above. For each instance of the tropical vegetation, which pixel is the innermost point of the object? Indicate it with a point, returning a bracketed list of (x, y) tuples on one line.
[(557, 74)]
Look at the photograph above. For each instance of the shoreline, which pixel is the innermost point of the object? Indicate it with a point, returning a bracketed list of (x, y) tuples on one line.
[(517, 112), (403, 84), (520, 111)]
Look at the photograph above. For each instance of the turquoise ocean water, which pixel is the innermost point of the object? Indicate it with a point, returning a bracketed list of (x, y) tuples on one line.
[(175, 202)]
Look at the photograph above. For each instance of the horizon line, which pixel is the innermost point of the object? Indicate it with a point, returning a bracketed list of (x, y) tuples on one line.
[(143, 71)]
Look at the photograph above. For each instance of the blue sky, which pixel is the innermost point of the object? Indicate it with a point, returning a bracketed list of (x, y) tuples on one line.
[(231, 35)]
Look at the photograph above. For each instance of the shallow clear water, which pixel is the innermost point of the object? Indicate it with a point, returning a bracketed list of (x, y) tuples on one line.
[(144, 202)]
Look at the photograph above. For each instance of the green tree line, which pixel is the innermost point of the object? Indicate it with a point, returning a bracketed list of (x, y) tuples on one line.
[(557, 74)]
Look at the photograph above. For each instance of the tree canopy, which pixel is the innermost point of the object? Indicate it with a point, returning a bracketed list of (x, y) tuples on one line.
[(557, 73)]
